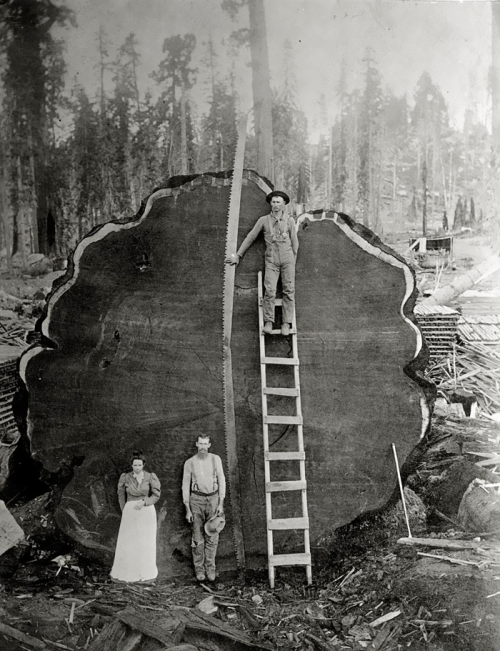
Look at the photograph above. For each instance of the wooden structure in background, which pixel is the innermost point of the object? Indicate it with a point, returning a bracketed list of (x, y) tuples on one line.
[(439, 325)]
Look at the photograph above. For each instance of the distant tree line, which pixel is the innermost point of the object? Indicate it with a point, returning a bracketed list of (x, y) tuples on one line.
[(385, 161)]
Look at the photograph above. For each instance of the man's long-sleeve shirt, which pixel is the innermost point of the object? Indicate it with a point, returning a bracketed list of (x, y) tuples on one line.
[(276, 230)]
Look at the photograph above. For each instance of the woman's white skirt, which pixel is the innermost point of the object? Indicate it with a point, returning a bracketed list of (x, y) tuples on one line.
[(135, 555)]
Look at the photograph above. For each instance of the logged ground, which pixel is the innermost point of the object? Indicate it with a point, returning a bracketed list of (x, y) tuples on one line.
[(369, 591)]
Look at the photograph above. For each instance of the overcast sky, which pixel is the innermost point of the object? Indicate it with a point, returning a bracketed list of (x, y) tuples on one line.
[(450, 39)]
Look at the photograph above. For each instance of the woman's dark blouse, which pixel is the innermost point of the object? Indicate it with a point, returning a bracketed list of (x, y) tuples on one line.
[(129, 489)]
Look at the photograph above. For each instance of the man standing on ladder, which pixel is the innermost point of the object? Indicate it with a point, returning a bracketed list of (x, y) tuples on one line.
[(280, 235)]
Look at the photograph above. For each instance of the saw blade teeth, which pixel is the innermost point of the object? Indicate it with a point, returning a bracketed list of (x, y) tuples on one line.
[(227, 312)]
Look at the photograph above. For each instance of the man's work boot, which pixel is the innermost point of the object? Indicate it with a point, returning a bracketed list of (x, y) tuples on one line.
[(211, 575), (200, 576), (285, 329), (268, 327)]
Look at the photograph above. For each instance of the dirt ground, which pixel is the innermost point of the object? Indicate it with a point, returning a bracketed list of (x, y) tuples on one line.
[(369, 591)]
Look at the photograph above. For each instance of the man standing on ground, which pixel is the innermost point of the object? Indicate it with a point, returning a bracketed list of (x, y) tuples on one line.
[(203, 494), (280, 235)]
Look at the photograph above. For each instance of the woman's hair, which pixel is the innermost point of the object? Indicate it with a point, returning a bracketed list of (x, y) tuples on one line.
[(137, 454)]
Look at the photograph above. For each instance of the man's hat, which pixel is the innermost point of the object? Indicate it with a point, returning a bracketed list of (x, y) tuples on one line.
[(278, 193), (215, 525)]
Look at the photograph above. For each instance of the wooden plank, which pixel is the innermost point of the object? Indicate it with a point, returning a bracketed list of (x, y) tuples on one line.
[(14, 634), (290, 559), (275, 486), (285, 456), (280, 524), (283, 420), (285, 361), (281, 391)]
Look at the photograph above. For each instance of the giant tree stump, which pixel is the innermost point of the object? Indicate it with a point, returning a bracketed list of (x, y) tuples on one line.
[(133, 358)]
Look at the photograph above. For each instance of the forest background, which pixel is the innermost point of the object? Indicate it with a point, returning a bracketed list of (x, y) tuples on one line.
[(75, 155)]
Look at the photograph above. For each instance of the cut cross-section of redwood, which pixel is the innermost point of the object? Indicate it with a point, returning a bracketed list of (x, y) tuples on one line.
[(134, 359)]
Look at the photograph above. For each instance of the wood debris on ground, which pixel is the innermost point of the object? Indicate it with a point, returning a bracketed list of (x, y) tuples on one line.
[(13, 334), (474, 367), (356, 604)]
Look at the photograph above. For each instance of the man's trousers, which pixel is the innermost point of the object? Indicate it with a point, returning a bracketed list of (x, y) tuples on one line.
[(204, 547), (280, 260)]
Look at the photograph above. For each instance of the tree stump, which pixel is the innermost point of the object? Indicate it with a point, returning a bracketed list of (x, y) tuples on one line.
[(132, 357)]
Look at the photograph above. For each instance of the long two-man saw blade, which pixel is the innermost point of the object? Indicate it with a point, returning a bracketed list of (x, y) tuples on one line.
[(228, 300)]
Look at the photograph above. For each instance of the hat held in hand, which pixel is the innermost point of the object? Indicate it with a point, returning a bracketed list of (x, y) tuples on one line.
[(215, 525)]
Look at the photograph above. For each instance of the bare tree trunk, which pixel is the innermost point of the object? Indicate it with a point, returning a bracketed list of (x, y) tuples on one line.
[(184, 155), (367, 216), (355, 167), (495, 103), (34, 223), (445, 192), (22, 227), (261, 87), (394, 176), (424, 186), (495, 76), (379, 227), (5, 216), (330, 171), (170, 153)]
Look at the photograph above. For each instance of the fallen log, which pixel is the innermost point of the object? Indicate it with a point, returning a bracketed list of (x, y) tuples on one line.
[(464, 282), (132, 357), (446, 543)]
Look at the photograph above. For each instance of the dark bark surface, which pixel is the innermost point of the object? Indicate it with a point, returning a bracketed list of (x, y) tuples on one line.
[(136, 361)]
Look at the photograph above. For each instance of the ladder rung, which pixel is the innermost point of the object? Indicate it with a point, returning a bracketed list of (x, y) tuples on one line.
[(281, 391), (286, 361), (283, 420), (284, 456), (275, 486), (290, 559), (277, 331), (288, 523), (278, 301)]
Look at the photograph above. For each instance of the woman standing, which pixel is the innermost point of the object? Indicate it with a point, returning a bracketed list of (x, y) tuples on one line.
[(135, 555)]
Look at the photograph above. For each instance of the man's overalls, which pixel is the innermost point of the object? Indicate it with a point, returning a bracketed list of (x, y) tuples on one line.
[(280, 260)]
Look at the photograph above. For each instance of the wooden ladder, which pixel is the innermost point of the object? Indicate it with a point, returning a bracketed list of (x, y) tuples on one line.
[(301, 523)]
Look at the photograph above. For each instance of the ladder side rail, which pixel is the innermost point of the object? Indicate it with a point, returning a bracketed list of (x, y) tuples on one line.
[(296, 373), (300, 436), (263, 377), (265, 430)]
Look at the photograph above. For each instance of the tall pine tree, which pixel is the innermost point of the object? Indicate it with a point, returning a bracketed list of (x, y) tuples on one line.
[(32, 79)]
